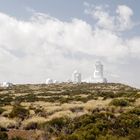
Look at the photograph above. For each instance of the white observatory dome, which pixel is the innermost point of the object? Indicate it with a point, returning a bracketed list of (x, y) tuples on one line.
[(6, 84), (55, 82), (49, 81)]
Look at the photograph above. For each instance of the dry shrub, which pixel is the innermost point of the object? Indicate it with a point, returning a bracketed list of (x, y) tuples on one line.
[(31, 112), (33, 120), (43, 104), (137, 102), (8, 109), (93, 104), (69, 106), (53, 109), (60, 114), (8, 123), (25, 104)]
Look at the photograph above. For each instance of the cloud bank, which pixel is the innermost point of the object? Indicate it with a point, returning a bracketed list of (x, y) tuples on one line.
[(44, 46)]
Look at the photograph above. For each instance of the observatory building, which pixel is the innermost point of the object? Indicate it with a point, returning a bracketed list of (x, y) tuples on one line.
[(76, 77), (98, 76), (6, 84), (49, 81)]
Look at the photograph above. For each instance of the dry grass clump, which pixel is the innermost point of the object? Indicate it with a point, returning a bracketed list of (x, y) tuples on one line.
[(93, 104), (8, 123), (60, 114), (31, 112), (19, 94), (137, 102), (8, 107), (49, 108), (44, 97), (52, 109), (7, 111), (34, 119), (69, 106), (83, 95), (25, 104), (44, 104)]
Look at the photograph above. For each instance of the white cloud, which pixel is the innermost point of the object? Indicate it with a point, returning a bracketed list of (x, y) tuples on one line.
[(134, 46), (44, 46), (119, 22), (86, 4), (124, 17)]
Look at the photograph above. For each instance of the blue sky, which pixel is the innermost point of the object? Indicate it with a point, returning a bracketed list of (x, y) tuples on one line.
[(63, 9), (51, 38)]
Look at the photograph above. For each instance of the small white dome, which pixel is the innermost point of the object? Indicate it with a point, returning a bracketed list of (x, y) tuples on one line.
[(49, 81), (6, 84), (55, 81)]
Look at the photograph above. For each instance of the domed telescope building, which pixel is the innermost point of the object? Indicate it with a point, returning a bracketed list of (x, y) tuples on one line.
[(49, 81), (6, 84)]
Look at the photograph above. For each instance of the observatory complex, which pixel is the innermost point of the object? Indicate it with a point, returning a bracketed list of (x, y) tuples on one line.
[(97, 77)]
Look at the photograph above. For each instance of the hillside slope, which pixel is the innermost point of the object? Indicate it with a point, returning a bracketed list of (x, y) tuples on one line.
[(69, 111)]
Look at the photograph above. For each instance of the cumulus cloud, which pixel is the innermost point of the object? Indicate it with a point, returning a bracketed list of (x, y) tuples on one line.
[(120, 22), (124, 17), (45, 46)]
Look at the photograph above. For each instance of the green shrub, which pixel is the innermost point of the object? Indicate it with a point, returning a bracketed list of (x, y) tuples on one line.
[(134, 134), (135, 111), (120, 102), (2, 129), (17, 138), (56, 126), (58, 122), (3, 136), (19, 111), (31, 125), (124, 123), (111, 137)]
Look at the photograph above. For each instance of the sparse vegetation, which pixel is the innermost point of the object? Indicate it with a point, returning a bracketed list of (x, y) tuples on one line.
[(70, 112)]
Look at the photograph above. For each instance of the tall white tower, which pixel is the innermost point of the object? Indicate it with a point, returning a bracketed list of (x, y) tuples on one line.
[(76, 77), (98, 76), (98, 72)]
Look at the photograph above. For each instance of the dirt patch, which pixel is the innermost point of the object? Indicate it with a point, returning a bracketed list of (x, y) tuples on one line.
[(26, 134)]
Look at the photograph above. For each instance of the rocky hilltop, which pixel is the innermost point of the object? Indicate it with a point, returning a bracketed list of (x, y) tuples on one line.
[(69, 111)]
